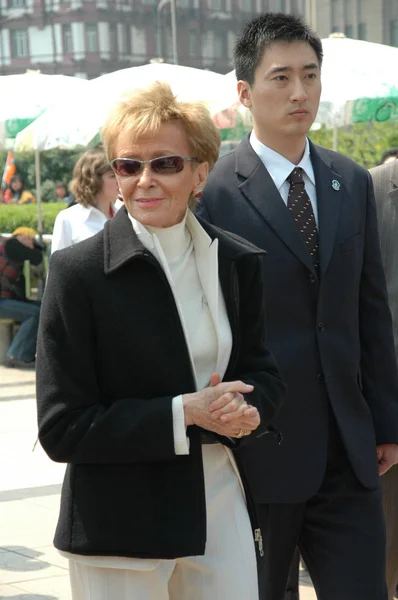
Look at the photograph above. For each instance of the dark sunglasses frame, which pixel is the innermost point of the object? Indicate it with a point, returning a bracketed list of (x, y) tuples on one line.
[(153, 162)]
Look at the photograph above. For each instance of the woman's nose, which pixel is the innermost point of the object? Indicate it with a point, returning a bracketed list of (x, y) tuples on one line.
[(146, 177)]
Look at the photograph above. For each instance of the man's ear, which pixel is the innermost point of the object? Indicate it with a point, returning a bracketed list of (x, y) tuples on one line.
[(244, 93)]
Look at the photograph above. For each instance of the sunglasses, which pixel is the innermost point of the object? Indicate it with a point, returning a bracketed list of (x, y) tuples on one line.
[(163, 165)]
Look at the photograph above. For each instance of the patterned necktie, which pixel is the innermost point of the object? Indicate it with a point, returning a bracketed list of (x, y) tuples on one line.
[(300, 206)]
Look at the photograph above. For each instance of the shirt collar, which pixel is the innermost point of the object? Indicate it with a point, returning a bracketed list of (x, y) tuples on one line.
[(91, 211), (278, 166)]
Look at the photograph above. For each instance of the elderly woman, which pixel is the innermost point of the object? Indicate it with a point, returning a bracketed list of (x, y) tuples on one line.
[(151, 366), (95, 189)]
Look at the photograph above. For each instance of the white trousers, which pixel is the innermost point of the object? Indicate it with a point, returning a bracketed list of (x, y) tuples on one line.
[(227, 571)]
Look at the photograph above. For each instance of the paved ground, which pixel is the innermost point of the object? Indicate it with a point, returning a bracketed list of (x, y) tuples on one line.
[(30, 568)]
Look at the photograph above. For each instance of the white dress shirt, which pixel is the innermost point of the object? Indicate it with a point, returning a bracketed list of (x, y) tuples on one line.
[(279, 167), (75, 224)]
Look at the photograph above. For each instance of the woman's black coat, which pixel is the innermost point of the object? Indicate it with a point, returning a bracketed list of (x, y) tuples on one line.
[(111, 356)]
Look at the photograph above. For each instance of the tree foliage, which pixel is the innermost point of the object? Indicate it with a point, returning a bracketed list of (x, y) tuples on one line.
[(364, 142)]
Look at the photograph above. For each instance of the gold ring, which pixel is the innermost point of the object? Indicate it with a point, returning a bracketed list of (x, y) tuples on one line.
[(242, 432)]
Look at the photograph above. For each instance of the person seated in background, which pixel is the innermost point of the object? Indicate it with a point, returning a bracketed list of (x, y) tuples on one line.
[(16, 193), (95, 190), (13, 301), (62, 193)]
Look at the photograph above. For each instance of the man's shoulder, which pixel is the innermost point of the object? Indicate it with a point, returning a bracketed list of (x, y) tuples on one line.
[(340, 161), (225, 163), (383, 171)]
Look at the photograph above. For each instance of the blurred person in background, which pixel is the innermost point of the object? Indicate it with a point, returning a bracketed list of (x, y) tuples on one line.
[(153, 314), (95, 190), (62, 193), (13, 301), (385, 181), (389, 156), (16, 192)]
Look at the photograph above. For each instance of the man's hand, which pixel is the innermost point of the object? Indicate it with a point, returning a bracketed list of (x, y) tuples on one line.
[(387, 457)]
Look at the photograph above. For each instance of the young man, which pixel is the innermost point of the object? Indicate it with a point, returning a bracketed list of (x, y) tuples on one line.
[(329, 324), (385, 180)]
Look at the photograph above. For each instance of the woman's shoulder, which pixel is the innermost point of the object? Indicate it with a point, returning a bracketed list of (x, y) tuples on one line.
[(82, 257), (229, 242), (72, 213)]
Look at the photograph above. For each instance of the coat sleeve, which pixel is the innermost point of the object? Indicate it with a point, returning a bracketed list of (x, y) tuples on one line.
[(255, 364), (74, 425), (378, 361)]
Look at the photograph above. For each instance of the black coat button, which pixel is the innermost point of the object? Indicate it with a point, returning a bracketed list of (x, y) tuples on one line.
[(312, 278), (321, 327), (321, 378)]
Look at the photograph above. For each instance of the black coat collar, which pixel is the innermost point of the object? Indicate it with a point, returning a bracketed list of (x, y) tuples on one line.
[(121, 243)]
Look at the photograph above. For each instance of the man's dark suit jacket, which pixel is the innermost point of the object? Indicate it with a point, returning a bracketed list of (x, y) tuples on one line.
[(332, 336)]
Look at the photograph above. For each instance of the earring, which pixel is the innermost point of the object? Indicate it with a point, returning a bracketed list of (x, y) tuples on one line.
[(120, 197)]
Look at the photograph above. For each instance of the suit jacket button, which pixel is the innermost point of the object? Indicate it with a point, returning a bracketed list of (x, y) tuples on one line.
[(321, 327), (321, 378), (312, 278)]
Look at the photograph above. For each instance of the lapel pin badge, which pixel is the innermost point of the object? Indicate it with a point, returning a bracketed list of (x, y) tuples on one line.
[(336, 185)]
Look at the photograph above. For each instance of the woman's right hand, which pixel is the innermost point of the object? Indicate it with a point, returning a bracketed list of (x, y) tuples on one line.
[(196, 408)]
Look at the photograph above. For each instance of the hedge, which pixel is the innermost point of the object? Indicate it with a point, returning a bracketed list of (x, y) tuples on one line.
[(13, 216)]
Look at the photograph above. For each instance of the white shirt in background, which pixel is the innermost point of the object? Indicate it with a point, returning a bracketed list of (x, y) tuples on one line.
[(76, 224)]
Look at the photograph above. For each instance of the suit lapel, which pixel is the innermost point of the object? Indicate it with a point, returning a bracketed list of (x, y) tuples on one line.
[(330, 192), (259, 189)]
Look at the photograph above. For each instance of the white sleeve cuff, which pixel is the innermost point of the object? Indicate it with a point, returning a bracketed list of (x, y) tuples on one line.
[(181, 441)]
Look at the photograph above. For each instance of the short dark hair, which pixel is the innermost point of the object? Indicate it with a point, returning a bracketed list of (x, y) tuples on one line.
[(261, 32), (391, 152)]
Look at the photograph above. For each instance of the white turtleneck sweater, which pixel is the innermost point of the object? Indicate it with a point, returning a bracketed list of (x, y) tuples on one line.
[(177, 249)]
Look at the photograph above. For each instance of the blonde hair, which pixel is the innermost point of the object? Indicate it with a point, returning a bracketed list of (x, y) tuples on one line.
[(87, 176), (144, 111)]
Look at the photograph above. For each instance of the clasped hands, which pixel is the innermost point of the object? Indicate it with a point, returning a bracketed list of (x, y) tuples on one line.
[(222, 408)]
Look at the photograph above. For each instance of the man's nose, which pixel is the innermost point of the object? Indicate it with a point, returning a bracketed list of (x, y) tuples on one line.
[(299, 93)]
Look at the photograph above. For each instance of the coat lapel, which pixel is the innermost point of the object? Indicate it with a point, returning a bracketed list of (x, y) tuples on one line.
[(330, 192), (259, 189)]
